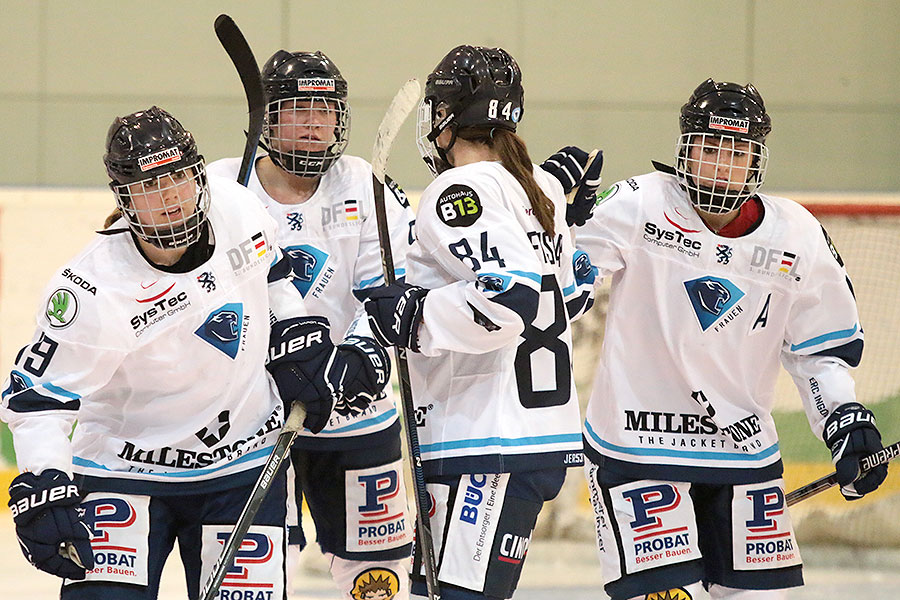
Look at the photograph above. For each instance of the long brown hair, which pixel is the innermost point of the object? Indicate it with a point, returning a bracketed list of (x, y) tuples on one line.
[(514, 158)]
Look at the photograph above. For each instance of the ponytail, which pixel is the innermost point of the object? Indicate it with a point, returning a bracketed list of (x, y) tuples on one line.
[(112, 218), (514, 158)]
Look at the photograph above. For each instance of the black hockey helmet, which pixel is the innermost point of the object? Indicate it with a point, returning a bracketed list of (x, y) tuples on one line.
[(471, 86), (290, 76), (724, 126), (721, 108), (147, 143), (158, 177)]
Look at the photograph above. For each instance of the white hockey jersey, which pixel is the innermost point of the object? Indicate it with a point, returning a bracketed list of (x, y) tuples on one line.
[(493, 384), (696, 327), (332, 240), (164, 372)]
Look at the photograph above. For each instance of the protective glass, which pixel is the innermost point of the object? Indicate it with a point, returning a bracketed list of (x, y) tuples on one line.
[(306, 135), (720, 172), (166, 211)]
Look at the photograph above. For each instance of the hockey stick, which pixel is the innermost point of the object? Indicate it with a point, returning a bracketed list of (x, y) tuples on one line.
[(240, 54), (593, 156), (292, 427), (821, 484), (400, 107)]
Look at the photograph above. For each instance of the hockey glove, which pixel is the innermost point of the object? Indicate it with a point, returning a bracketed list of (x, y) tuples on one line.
[(850, 434), (395, 313), (304, 363), (366, 371), (579, 175), (48, 516)]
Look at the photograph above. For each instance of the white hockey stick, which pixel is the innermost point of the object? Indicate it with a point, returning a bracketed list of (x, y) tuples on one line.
[(402, 104), (570, 197)]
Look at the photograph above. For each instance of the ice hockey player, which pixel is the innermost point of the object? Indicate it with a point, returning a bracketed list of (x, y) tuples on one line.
[(485, 310), (350, 473), (714, 284), (155, 339)]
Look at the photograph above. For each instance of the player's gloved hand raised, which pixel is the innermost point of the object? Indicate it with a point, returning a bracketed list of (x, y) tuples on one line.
[(850, 434), (304, 364), (50, 523), (366, 371), (395, 314), (579, 174)]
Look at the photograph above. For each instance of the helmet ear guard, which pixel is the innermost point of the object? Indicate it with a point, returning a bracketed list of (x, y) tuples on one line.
[(309, 87), (158, 178), (723, 131)]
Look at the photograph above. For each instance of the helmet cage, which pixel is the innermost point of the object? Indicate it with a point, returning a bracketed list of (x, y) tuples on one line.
[(316, 137), (725, 175), (167, 210), (427, 133)]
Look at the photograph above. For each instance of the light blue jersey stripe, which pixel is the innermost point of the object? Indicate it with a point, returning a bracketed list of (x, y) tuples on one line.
[(528, 275), (398, 273), (261, 453), (367, 423), (60, 391), (691, 454), (825, 337), (499, 441)]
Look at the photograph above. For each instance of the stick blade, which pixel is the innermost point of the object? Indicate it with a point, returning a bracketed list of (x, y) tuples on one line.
[(402, 104)]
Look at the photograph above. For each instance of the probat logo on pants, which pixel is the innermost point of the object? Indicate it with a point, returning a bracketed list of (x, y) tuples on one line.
[(120, 527), (762, 531), (257, 570), (656, 521), (376, 515)]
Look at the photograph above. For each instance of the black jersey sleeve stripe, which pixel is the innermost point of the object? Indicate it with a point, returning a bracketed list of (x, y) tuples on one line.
[(30, 400), (281, 269), (850, 353)]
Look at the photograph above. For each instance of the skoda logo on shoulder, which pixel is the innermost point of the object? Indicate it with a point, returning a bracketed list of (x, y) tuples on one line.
[(62, 308)]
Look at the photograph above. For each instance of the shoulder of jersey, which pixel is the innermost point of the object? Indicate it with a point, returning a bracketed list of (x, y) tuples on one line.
[(83, 296), (478, 175), (650, 187), (225, 167), (229, 195)]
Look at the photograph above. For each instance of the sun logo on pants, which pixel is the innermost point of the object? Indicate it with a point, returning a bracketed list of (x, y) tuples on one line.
[(674, 594), (375, 584)]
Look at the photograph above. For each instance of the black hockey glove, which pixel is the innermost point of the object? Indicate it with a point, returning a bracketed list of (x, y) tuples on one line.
[(366, 371), (580, 178), (395, 313), (302, 360), (50, 523), (850, 434)]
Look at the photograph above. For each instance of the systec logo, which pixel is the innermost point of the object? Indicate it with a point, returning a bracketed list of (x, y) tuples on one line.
[(222, 328), (712, 298)]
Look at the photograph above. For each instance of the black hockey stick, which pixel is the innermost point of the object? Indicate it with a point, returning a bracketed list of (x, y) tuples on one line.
[(279, 456), (400, 107), (821, 484), (240, 54)]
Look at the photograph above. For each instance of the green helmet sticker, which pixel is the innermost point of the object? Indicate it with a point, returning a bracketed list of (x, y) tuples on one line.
[(62, 308)]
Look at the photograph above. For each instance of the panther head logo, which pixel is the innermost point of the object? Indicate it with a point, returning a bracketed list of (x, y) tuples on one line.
[(223, 326), (712, 295), (303, 264)]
